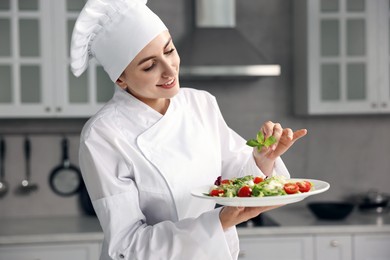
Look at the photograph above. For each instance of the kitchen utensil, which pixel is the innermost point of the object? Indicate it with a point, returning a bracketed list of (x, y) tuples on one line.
[(27, 186), (85, 201), (65, 179), (374, 201), (3, 183), (331, 210)]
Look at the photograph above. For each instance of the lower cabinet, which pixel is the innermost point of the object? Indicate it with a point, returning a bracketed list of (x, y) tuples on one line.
[(63, 251), (316, 247), (369, 247), (335, 247), (276, 247)]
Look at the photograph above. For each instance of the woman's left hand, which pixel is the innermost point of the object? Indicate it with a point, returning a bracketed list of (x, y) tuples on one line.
[(285, 138)]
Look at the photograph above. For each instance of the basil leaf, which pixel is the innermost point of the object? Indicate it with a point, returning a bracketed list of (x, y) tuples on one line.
[(259, 142), (252, 143), (269, 141), (260, 137)]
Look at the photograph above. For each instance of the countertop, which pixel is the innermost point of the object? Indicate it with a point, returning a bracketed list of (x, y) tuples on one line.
[(291, 220), (50, 230), (296, 219)]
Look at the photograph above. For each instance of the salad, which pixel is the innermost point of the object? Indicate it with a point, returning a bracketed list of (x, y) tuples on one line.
[(255, 186)]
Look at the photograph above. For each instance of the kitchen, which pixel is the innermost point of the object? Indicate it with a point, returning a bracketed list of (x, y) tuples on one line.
[(347, 150)]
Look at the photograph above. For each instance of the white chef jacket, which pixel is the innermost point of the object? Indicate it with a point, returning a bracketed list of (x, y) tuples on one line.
[(139, 167)]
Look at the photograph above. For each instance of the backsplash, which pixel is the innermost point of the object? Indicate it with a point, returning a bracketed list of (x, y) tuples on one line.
[(350, 152), (46, 154)]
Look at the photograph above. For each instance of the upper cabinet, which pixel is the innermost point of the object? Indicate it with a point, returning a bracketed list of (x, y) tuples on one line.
[(341, 57), (35, 76)]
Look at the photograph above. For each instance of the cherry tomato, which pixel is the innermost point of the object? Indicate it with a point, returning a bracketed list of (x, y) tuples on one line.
[(257, 180), (225, 182), (304, 186), (291, 188), (216, 193), (245, 191)]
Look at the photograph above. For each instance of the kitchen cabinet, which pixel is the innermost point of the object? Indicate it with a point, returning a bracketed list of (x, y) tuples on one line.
[(316, 247), (36, 80), (80, 251), (368, 247), (276, 247), (341, 57), (335, 247)]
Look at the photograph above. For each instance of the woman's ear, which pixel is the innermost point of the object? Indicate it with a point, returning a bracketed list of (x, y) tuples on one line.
[(121, 82)]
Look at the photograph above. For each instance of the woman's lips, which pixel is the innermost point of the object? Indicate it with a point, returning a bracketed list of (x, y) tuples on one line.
[(169, 84)]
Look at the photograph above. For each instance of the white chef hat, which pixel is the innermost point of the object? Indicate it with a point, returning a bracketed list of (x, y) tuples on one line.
[(114, 32)]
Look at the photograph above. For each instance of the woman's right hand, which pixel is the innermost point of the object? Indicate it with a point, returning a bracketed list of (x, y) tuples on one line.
[(231, 216)]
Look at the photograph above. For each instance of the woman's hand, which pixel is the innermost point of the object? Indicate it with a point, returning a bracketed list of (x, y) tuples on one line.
[(231, 216), (285, 138)]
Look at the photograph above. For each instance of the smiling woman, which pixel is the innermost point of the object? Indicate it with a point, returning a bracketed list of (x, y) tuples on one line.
[(153, 142), (152, 76)]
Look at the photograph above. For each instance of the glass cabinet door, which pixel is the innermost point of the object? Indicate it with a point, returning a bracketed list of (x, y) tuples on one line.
[(82, 96), (384, 54), (344, 58), (24, 67)]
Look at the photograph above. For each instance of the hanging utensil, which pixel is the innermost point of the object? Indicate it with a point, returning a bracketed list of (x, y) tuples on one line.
[(26, 186), (65, 179), (3, 183)]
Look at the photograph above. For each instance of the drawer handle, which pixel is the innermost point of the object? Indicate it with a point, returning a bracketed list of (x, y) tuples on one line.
[(334, 243)]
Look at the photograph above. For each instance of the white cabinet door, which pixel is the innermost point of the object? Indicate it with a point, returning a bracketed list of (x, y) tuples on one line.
[(335, 247), (371, 247), (25, 58), (35, 76), (86, 251), (76, 97), (341, 57), (276, 247)]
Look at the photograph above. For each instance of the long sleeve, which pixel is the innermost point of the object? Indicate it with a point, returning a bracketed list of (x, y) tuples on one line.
[(139, 169), (115, 197)]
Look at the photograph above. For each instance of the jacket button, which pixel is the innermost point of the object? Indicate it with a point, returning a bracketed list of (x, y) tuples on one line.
[(121, 256)]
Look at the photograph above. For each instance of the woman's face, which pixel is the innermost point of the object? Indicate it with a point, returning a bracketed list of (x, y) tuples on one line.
[(152, 76)]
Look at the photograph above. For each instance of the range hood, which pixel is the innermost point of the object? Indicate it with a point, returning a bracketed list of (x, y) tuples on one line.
[(215, 48)]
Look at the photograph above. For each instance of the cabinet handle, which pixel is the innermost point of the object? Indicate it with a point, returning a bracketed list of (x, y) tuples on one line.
[(384, 104), (374, 105), (58, 109), (241, 254), (47, 109), (334, 243)]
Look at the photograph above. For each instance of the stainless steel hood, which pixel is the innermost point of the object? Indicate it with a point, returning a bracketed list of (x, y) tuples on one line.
[(216, 48)]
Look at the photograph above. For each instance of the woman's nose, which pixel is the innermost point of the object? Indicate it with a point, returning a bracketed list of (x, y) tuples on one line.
[(168, 69)]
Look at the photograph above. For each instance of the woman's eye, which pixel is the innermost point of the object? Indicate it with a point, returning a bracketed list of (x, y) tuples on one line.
[(170, 51), (149, 68)]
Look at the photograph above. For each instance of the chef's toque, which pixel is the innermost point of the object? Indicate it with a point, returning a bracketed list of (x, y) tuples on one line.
[(113, 32)]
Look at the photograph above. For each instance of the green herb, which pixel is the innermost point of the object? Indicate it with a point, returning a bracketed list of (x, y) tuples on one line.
[(259, 142)]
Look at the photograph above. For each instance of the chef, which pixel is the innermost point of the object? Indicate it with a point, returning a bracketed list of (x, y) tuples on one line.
[(153, 142)]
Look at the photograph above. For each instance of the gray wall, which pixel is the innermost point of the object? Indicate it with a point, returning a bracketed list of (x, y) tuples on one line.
[(350, 152)]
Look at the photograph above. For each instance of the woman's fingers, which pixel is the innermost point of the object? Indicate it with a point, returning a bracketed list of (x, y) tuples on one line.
[(231, 216), (267, 128), (270, 128), (299, 133), (285, 138), (289, 137)]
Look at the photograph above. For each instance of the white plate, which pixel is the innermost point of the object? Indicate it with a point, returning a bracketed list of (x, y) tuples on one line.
[(319, 187)]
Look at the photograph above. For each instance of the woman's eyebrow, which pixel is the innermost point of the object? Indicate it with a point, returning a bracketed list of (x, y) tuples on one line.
[(151, 57)]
